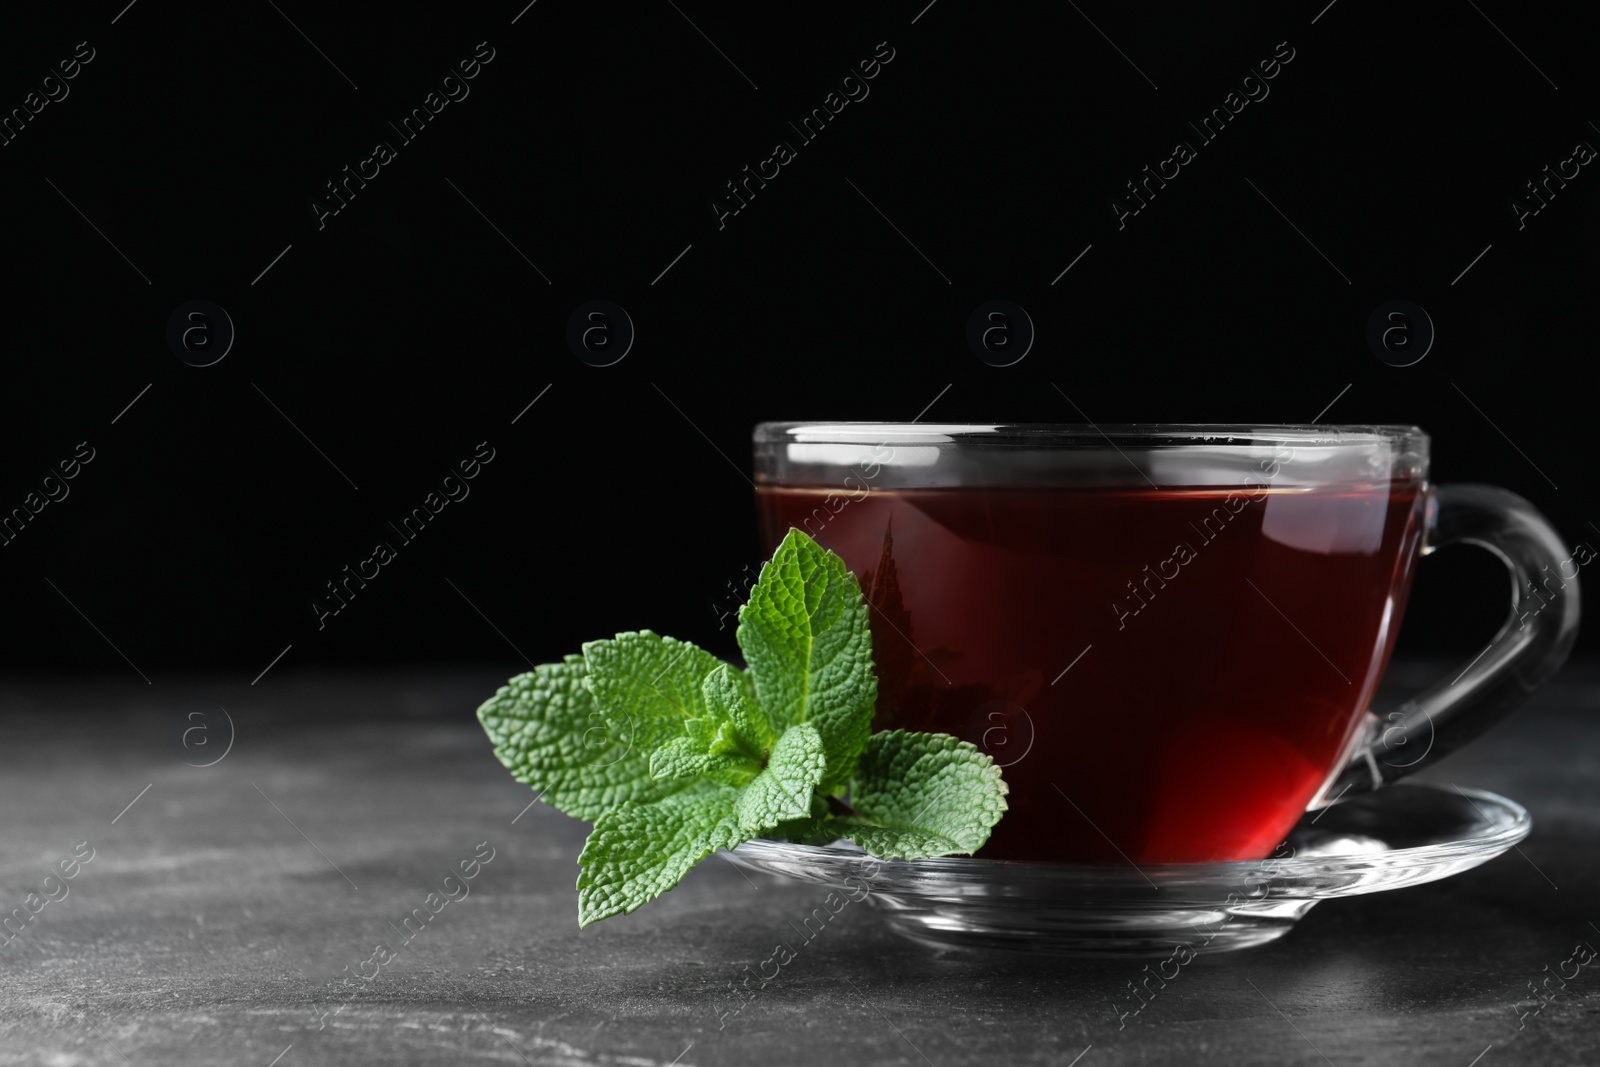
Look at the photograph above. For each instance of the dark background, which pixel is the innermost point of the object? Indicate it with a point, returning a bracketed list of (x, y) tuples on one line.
[(415, 325)]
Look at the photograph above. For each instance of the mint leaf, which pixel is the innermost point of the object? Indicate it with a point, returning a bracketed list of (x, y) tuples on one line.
[(702, 732), (639, 851), (818, 831), (918, 795), (550, 734), (783, 790), (728, 744), (811, 829), (888, 842), (682, 757), (647, 685), (804, 634), (748, 731)]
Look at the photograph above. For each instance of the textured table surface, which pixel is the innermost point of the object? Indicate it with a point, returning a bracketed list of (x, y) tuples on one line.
[(218, 915)]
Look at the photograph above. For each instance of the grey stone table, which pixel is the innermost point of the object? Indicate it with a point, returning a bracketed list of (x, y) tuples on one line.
[(220, 918)]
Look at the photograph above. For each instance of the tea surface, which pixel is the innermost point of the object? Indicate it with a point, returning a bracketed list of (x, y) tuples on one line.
[(1233, 639)]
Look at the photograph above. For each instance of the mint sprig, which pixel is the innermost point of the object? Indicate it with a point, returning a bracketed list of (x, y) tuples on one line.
[(674, 754)]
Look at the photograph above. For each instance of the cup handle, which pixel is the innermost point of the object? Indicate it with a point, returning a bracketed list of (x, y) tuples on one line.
[(1532, 644)]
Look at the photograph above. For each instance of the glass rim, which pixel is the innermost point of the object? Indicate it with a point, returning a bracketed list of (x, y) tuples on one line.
[(1069, 433)]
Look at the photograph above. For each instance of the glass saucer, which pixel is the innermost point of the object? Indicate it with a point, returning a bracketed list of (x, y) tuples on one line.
[(1398, 836)]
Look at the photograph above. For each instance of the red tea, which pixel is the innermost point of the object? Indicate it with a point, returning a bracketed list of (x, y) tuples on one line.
[(1166, 675)]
